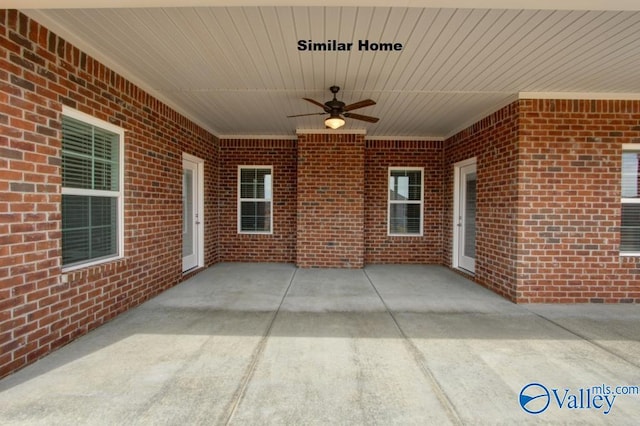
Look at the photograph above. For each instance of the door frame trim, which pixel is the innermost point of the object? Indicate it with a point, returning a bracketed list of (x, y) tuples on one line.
[(199, 162), (455, 258)]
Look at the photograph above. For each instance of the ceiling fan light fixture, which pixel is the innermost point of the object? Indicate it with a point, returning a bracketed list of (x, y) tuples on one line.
[(334, 121)]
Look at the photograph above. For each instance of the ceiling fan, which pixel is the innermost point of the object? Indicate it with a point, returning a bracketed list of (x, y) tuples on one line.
[(337, 109)]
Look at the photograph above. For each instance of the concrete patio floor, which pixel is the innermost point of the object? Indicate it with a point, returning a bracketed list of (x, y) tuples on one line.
[(272, 344)]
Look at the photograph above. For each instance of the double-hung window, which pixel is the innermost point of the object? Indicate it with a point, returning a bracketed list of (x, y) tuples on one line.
[(630, 223), (405, 205), (255, 198), (92, 193)]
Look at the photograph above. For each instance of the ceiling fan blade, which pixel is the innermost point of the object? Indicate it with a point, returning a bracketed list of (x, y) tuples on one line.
[(323, 106), (361, 117), (361, 104), (303, 115)]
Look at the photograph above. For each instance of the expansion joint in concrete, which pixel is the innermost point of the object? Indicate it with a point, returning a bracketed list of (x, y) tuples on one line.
[(439, 392), (588, 340), (255, 358)]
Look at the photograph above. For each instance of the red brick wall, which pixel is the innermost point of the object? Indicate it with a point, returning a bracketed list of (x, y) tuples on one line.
[(281, 245), (330, 201), (379, 156), (494, 142), (548, 197), (39, 311), (570, 178)]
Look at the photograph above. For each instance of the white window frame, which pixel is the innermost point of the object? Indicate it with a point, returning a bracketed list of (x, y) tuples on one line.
[(269, 200), (119, 195), (390, 201), (629, 147)]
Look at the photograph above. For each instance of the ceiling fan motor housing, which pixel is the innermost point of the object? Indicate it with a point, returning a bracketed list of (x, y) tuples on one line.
[(334, 105)]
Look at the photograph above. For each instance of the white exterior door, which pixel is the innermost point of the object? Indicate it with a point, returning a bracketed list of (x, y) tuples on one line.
[(191, 213), (465, 216)]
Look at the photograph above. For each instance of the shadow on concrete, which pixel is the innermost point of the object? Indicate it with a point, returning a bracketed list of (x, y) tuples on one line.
[(427, 302)]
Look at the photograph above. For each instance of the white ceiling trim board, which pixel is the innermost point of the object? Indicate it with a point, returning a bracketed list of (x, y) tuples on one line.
[(258, 137), (330, 131), (580, 96), (470, 4), (405, 138)]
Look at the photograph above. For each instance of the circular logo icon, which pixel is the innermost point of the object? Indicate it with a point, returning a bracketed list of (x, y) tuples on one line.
[(534, 398)]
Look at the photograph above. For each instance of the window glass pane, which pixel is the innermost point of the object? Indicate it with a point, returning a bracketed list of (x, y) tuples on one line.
[(75, 212), (255, 216), (405, 185), (404, 218), (267, 187), (630, 228), (402, 188), (103, 211), (76, 136), (89, 228), (247, 190), (255, 183), (90, 156), (247, 175), (247, 183), (249, 208), (76, 171), (105, 144), (630, 174), (261, 174), (103, 241), (75, 245), (105, 176)]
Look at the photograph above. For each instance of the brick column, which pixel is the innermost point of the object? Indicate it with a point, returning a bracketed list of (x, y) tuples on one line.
[(330, 201)]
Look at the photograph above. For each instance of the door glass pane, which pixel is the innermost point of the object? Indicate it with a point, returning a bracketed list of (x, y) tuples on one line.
[(470, 216), (187, 213)]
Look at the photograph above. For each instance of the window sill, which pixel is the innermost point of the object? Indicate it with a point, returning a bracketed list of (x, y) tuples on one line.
[(630, 254), (90, 264)]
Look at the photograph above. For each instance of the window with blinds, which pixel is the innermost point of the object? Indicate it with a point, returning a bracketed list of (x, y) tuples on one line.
[(91, 190), (255, 196), (405, 203), (630, 222)]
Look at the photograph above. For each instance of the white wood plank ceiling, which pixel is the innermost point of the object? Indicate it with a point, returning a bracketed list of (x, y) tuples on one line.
[(238, 70)]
